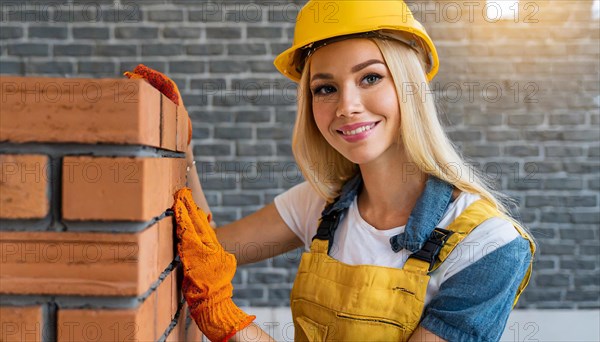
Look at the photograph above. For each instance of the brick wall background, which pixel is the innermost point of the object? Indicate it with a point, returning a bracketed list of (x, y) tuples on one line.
[(520, 97)]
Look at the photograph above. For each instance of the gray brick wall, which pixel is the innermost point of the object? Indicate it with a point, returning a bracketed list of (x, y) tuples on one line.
[(519, 97)]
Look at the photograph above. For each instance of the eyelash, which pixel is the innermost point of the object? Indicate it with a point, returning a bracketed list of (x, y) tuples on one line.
[(317, 90)]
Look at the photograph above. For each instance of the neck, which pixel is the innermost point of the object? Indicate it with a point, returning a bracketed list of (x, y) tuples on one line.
[(391, 188)]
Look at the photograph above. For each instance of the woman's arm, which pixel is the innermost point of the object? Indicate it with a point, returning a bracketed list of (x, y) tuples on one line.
[(193, 182)]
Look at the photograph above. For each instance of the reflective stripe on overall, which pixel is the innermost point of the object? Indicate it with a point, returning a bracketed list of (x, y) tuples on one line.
[(334, 301)]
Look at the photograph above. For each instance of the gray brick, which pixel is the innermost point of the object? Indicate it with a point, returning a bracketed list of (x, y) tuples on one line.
[(578, 264), (576, 234), (586, 249), (563, 151), (76, 14), (205, 49), (284, 13), (582, 295), (208, 86), (567, 119), (594, 152), (540, 295), (593, 218), (261, 181), (264, 32), (262, 66), (479, 119), (534, 168), (186, 67), (47, 32), (594, 184), (212, 149), (252, 49), (11, 67), (223, 33), (162, 49), (240, 199), (210, 14), (165, 15), (552, 280), (261, 115), (73, 50), (595, 119), (200, 132), (465, 136), (58, 68), (131, 32), (555, 217), (482, 150), (284, 149), (275, 132), (252, 293), (96, 67), (11, 32), (525, 120), (112, 50), (582, 167), (182, 32), (543, 264), (545, 135), (271, 276), (281, 294), (253, 149), (212, 116), (252, 83), (90, 32), (131, 13), (220, 183), (26, 15), (233, 133), (563, 184), (581, 135), (587, 279), (229, 67), (224, 216), (277, 48), (28, 49), (196, 100), (522, 151), (290, 259), (285, 116)]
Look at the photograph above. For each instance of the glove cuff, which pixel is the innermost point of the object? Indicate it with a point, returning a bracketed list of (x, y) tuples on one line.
[(220, 320)]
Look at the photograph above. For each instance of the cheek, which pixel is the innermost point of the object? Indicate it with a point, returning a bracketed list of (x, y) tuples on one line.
[(321, 115)]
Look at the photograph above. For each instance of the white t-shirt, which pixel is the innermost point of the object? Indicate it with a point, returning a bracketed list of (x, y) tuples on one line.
[(356, 242)]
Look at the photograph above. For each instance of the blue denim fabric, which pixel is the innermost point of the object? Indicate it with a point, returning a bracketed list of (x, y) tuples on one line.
[(426, 214), (474, 304)]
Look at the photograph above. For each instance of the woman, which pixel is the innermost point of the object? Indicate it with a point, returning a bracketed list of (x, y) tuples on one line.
[(405, 241)]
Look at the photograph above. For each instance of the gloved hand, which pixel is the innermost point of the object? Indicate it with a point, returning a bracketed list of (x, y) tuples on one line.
[(207, 272), (163, 84)]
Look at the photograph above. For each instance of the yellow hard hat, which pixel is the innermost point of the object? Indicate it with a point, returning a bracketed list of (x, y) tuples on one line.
[(324, 19)]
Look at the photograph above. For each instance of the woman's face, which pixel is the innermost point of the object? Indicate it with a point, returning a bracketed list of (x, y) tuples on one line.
[(355, 105)]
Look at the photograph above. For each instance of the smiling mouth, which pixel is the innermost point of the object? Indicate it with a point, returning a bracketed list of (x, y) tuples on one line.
[(358, 130)]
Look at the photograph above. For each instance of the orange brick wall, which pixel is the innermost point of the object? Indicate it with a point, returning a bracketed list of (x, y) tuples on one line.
[(88, 170)]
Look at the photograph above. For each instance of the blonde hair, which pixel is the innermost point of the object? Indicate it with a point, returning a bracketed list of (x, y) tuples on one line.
[(421, 134)]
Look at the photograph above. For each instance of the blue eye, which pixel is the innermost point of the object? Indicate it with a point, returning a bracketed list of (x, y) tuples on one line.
[(372, 78)]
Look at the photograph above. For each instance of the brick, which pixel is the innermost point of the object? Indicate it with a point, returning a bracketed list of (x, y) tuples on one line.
[(227, 66), (567, 119), (233, 132), (116, 50), (21, 323), (96, 67), (166, 304), (47, 32), (223, 33), (563, 151), (11, 32), (576, 234), (271, 276), (563, 184), (187, 67), (240, 199), (262, 66), (178, 333), (254, 149), (525, 120), (582, 167), (253, 116), (204, 49), (578, 264), (251, 49), (168, 124), (182, 129), (522, 151), (533, 168), (581, 135), (80, 110), (73, 50), (57, 68), (129, 14), (264, 32), (90, 32), (593, 218), (28, 49), (165, 15), (182, 32), (275, 132), (104, 188), (98, 264), (482, 150), (11, 67), (554, 280), (136, 32), (465, 135), (24, 186), (162, 49), (108, 324)]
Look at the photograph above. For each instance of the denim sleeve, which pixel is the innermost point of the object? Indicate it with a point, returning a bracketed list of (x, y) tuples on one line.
[(474, 304)]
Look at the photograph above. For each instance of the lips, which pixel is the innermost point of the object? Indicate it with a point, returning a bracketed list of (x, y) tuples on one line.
[(357, 128)]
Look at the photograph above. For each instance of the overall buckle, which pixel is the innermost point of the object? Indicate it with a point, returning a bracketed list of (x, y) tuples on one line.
[(432, 246)]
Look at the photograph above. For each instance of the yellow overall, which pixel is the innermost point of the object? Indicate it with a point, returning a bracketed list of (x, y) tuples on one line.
[(333, 301)]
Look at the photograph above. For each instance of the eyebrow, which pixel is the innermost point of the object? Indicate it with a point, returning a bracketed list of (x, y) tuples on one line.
[(354, 69)]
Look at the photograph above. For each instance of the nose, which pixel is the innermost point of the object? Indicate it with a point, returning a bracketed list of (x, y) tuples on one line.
[(349, 102)]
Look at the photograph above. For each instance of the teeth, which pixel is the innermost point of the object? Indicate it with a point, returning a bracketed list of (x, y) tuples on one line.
[(359, 130)]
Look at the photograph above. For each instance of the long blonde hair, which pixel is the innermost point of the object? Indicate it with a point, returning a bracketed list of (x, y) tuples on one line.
[(421, 134)]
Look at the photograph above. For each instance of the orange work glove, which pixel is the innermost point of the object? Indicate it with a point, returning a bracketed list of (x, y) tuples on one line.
[(207, 272), (163, 84)]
